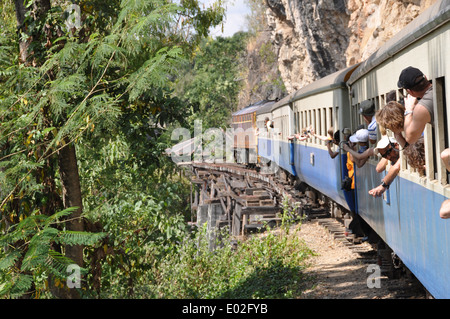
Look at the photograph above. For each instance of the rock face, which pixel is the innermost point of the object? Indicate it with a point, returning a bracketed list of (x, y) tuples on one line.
[(311, 37), (314, 38)]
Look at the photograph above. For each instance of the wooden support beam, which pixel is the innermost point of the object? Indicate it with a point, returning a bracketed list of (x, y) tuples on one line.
[(260, 210)]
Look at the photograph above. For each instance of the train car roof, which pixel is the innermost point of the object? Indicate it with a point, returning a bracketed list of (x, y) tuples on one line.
[(329, 82), (254, 107), (281, 102), (434, 16)]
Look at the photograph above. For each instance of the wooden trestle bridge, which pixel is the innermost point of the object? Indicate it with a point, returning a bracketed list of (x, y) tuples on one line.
[(246, 200)]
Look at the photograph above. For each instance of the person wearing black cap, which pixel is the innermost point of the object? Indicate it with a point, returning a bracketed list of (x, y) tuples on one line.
[(417, 112), (367, 110)]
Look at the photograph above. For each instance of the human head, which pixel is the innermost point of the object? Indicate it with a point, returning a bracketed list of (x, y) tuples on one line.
[(367, 108), (392, 116), (415, 154), (330, 132), (412, 79), (387, 147), (346, 132), (391, 96), (336, 137), (361, 136)]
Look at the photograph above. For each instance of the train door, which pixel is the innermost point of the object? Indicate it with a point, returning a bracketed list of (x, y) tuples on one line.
[(348, 124)]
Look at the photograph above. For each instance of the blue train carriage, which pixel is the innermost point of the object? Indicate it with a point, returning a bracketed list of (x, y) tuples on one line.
[(266, 129), (320, 105), (407, 217), (245, 132)]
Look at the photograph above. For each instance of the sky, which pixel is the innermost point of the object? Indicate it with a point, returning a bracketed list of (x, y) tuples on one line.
[(235, 19)]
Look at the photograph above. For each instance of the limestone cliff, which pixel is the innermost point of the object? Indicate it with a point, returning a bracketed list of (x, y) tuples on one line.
[(314, 38)]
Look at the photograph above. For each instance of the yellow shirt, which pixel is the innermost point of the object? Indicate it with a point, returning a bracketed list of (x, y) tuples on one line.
[(351, 170)]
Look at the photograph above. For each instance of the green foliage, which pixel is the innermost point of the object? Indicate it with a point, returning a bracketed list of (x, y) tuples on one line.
[(141, 231), (268, 266), (29, 253), (213, 80), (105, 87)]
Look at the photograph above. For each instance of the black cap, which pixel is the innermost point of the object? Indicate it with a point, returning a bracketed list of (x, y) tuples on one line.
[(367, 107), (409, 78)]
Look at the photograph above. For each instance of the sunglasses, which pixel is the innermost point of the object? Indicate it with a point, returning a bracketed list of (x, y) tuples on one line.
[(391, 148)]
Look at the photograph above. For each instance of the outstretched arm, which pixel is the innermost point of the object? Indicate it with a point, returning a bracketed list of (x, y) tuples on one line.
[(359, 158), (390, 176)]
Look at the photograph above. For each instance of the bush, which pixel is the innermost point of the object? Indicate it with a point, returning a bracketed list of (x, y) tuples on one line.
[(266, 266)]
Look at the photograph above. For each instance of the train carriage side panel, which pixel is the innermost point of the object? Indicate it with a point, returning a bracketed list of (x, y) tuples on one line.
[(407, 217), (322, 105)]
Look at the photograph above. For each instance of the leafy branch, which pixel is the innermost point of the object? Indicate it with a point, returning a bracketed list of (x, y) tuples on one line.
[(29, 254)]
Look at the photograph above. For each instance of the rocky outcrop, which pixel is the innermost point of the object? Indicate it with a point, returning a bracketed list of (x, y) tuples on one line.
[(374, 22), (314, 38), (311, 37)]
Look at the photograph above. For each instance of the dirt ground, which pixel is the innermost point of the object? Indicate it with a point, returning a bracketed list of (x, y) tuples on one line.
[(343, 272)]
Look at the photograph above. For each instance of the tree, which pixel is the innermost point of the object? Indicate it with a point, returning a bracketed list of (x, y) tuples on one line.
[(66, 81), (213, 79)]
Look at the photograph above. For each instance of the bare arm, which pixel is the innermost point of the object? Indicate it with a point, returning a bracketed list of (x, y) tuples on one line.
[(381, 166), (400, 139), (390, 176), (359, 158), (415, 122), (331, 152)]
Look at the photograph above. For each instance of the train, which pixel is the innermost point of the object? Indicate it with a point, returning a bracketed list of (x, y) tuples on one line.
[(406, 218)]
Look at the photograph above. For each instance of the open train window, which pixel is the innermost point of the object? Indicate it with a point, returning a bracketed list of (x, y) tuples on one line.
[(441, 141)]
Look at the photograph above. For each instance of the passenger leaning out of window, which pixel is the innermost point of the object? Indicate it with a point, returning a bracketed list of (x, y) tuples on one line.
[(367, 110), (388, 149), (417, 112)]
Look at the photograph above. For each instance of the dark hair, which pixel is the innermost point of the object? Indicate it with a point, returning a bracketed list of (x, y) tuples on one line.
[(421, 85), (391, 96), (337, 137), (415, 154)]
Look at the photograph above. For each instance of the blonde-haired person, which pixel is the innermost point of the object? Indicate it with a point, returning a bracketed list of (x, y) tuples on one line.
[(392, 117)]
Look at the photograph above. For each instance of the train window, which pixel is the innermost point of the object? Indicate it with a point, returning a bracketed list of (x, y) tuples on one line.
[(401, 95), (441, 129), (318, 124), (324, 121), (295, 122), (309, 122), (336, 120), (355, 119)]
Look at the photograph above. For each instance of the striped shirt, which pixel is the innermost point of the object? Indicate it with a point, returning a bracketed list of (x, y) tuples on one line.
[(372, 128)]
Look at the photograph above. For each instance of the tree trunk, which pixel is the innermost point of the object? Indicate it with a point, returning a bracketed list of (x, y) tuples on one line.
[(67, 159), (70, 180), (20, 17)]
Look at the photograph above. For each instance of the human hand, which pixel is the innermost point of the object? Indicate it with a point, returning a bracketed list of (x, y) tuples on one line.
[(377, 191), (410, 102)]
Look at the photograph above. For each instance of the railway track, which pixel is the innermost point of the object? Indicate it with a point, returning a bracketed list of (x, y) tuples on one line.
[(247, 201)]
